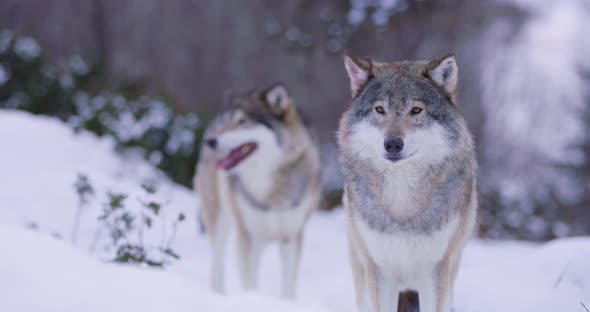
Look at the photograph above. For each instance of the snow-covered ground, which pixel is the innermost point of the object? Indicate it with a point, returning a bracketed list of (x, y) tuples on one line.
[(40, 159)]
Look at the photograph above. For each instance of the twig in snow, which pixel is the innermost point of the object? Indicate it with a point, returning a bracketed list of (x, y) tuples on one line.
[(181, 218), (85, 191), (560, 277)]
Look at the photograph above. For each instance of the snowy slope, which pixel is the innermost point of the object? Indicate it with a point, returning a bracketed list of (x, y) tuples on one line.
[(41, 273), (40, 159)]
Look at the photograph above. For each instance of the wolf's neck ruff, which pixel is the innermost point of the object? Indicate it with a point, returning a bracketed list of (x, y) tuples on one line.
[(382, 197), (291, 181)]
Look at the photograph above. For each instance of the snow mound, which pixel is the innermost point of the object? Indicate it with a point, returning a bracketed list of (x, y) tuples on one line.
[(40, 273), (40, 161), (511, 276)]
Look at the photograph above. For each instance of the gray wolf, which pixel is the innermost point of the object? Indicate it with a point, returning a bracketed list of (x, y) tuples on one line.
[(259, 172), (410, 182)]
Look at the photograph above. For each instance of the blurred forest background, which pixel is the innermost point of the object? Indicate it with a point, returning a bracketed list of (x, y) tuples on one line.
[(151, 73)]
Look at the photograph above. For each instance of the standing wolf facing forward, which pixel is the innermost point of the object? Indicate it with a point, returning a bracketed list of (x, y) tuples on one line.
[(261, 168), (410, 192)]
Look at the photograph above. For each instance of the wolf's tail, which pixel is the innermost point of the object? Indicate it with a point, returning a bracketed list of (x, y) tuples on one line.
[(408, 301)]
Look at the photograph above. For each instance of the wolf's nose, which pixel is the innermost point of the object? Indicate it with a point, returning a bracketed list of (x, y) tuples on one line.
[(394, 145), (212, 143)]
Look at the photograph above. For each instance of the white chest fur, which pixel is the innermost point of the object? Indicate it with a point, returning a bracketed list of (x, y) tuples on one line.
[(273, 223), (398, 187), (406, 255), (257, 178)]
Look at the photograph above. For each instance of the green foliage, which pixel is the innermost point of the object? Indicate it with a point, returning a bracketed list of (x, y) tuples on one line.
[(547, 213), (72, 92), (539, 218), (579, 170), (167, 140), (127, 229), (30, 83)]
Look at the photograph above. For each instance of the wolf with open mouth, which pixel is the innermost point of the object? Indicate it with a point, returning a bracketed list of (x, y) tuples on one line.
[(259, 171)]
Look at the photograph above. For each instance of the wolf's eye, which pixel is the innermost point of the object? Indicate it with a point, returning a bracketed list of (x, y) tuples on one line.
[(416, 110), (379, 109)]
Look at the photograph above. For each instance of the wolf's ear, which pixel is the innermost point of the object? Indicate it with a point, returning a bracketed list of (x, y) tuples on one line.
[(359, 72), (444, 72), (277, 97)]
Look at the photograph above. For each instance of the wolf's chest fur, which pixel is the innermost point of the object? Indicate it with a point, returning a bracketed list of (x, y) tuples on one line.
[(272, 224), (407, 218), (408, 200), (273, 204), (283, 219), (403, 252)]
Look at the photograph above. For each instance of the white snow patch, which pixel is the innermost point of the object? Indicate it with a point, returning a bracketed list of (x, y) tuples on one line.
[(40, 273)]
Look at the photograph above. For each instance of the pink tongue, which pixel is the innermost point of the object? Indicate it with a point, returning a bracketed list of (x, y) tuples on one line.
[(229, 161), (224, 163)]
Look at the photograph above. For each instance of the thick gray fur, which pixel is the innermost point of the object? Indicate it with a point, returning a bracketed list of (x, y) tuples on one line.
[(445, 188)]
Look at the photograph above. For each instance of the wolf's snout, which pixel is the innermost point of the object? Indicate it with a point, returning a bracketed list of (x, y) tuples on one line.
[(394, 145), (212, 143)]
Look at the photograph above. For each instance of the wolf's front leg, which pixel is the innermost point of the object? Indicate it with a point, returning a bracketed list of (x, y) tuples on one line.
[(365, 285), (387, 293), (218, 238), (456, 261), (363, 269), (446, 272), (290, 255), (250, 250), (358, 276), (427, 294)]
